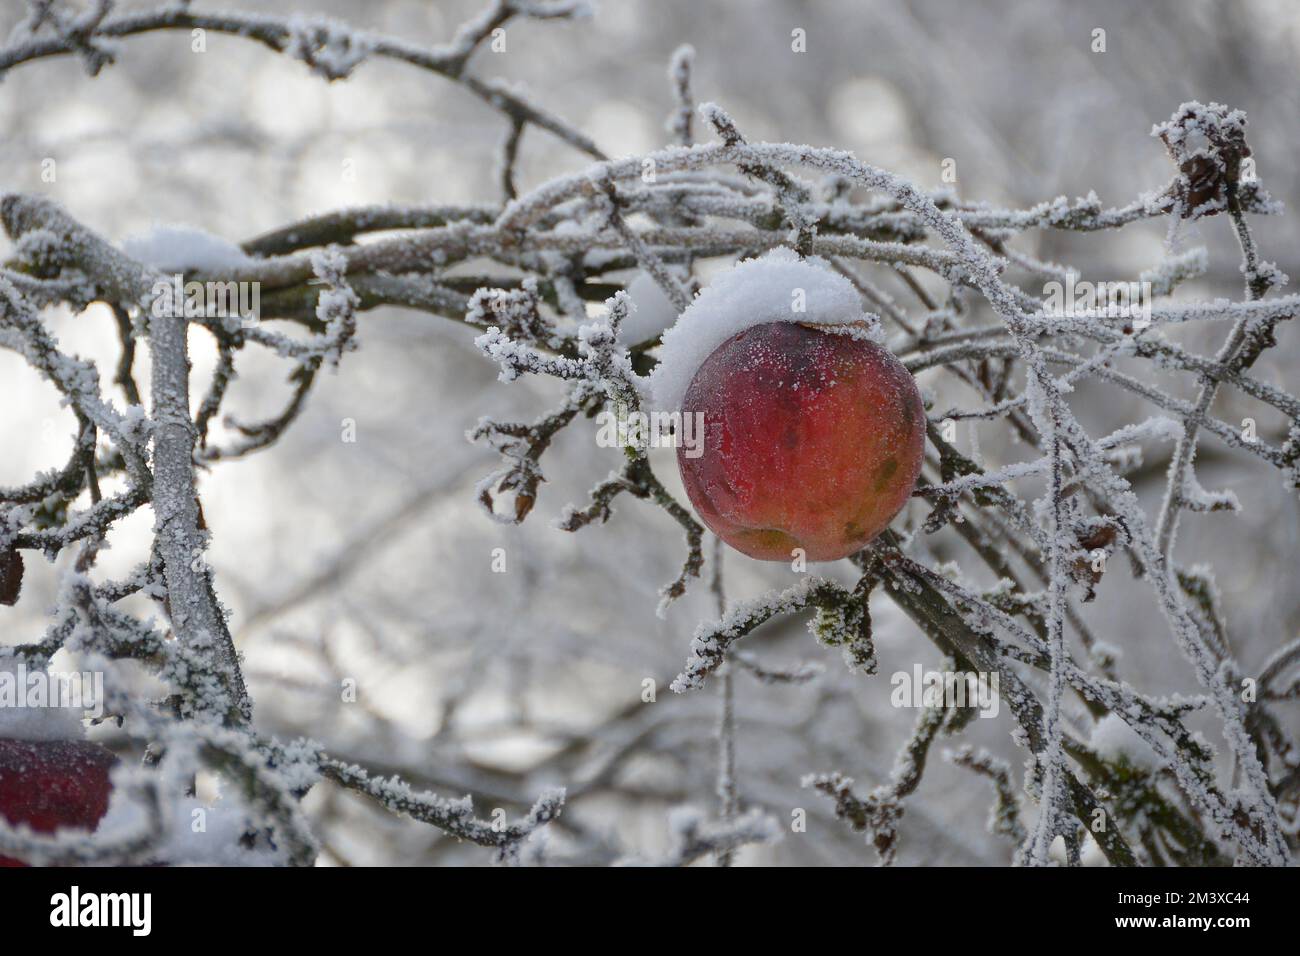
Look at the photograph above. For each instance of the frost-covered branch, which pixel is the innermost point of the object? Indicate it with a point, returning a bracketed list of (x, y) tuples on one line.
[(527, 274), (456, 817), (695, 837)]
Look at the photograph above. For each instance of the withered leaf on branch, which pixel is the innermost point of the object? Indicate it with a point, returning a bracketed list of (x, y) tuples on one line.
[(11, 576), (1208, 145)]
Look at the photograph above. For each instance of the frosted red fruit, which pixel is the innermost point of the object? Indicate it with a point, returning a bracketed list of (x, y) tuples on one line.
[(812, 439), (51, 784)]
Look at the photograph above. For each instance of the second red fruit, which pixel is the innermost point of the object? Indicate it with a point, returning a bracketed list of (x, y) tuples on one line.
[(812, 439), (51, 784)]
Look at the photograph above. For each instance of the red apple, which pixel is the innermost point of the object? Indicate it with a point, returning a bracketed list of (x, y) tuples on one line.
[(812, 439), (49, 784)]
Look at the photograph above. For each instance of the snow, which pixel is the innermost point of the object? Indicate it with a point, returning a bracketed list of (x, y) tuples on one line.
[(336, 305), (21, 722), (330, 47), (1197, 498), (176, 248), (1115, 741), (192, 832), (1196, 128), (200, 834), (754, 292), (651, 313)]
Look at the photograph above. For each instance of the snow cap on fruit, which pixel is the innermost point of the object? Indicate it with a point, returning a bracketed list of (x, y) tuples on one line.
[(776, 287)]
